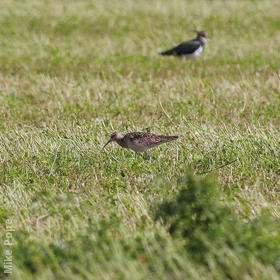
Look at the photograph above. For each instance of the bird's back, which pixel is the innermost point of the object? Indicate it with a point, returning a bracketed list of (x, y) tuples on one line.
[(186, 48), (146, 140)]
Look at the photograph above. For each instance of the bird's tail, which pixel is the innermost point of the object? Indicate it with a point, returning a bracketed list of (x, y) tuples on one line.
[(173, 137), (170, 138), (169, 52), (164, 139)]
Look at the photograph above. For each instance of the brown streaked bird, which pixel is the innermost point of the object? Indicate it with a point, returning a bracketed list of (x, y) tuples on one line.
[(140, 141)]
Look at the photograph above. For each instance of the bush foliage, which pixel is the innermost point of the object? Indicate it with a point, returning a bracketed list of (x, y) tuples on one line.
[(210, 227)]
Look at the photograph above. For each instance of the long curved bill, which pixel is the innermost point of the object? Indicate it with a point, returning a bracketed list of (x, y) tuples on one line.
[(106, 144)]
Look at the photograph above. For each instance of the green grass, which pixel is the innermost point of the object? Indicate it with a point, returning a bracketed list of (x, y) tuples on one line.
[(72, 72)]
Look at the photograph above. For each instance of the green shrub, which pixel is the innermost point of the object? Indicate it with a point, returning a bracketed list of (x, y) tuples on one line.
[(211, 230)]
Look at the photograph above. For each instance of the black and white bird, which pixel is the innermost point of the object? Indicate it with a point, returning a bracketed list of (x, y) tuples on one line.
[(189, 49)]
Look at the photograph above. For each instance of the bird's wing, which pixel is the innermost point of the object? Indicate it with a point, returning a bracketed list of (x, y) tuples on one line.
[(136, 135), (160, 139), (152, 138), (185, 48)]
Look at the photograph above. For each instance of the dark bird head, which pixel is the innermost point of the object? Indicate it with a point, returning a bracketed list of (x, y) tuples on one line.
[(114, 137), (202, 36)]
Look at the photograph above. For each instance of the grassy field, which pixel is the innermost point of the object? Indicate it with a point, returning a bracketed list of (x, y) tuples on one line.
[(71, 73)]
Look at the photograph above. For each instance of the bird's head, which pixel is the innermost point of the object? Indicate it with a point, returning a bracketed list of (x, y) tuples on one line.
[(202, 36), (114, 137)]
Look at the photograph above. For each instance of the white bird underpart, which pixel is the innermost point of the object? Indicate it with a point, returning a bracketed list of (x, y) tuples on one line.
[(194, 54)]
